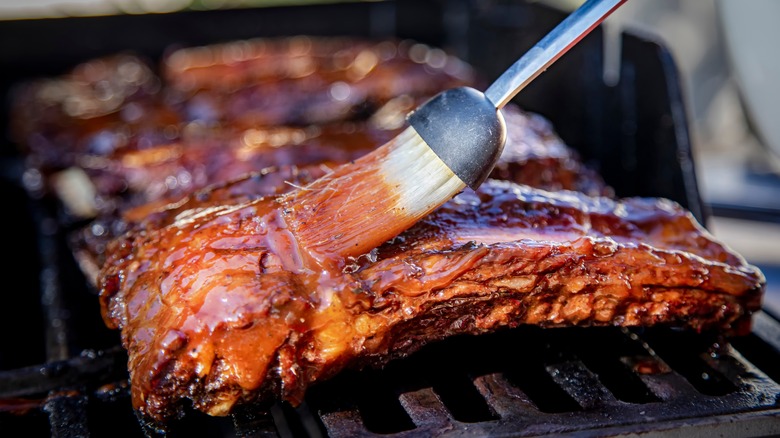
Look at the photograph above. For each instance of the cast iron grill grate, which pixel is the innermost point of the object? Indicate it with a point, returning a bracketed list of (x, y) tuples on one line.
[(530, 381), (522, 382)]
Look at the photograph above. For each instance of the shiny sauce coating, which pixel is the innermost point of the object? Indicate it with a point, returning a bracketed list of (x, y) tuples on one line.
[(219, 305)]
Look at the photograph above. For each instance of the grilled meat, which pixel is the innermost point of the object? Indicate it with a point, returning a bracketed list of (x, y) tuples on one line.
[(219, 111), (301, 80), (533, 155), (217, 304), (99, 107), (106, 107)]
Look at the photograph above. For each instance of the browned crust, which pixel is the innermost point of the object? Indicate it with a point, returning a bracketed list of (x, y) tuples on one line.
[(505, 256)]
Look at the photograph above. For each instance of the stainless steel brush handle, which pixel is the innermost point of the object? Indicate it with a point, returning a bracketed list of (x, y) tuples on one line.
[(578, 24), (464, 127)]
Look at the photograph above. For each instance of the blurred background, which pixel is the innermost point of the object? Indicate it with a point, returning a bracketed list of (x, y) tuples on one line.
[(723, 50)]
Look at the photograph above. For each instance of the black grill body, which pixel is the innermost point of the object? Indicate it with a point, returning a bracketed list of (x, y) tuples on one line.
[(63, 374)]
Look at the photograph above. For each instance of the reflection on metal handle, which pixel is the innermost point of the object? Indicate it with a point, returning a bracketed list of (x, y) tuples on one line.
[(549, 49)]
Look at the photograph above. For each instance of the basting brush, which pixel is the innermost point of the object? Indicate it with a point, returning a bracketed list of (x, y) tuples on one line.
[(453, 141)]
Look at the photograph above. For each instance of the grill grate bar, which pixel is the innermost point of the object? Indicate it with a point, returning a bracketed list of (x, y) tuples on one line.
[(752, 382), (104, 367), (67, 414), (766, 328), (581, 384), (54, 312), (504, 398), (425, 408), (685, 353), (659, 378), (347, 423), (723, 360)]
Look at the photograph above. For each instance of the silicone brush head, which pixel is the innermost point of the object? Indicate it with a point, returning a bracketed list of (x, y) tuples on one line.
[(464, 129)]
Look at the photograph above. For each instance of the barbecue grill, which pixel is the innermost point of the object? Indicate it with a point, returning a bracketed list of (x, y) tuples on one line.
[(64, 374)]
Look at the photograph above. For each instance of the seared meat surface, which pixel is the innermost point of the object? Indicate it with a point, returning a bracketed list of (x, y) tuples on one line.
[(217, 304), (533, 155)]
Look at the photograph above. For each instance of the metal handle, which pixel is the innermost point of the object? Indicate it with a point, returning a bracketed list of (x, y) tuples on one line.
[(568, 33)]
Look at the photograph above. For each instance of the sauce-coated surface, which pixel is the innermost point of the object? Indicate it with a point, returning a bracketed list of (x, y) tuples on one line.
[(219, 305), (204, 277)]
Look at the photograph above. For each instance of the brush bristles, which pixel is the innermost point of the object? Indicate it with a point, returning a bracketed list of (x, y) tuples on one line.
[(363, 204), (421, 179)]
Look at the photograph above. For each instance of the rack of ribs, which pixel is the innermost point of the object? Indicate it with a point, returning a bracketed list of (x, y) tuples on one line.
[(216, 304)]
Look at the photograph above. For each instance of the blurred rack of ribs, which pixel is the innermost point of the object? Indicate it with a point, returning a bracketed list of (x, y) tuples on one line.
[(114, 139)]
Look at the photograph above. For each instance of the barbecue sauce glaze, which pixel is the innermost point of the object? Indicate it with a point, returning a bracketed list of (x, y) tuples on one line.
[(219, 305)]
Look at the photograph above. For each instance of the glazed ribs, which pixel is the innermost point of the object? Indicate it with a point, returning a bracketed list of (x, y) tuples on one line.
[(533, 155), (181, 166), (217, 305), (142, 132)]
